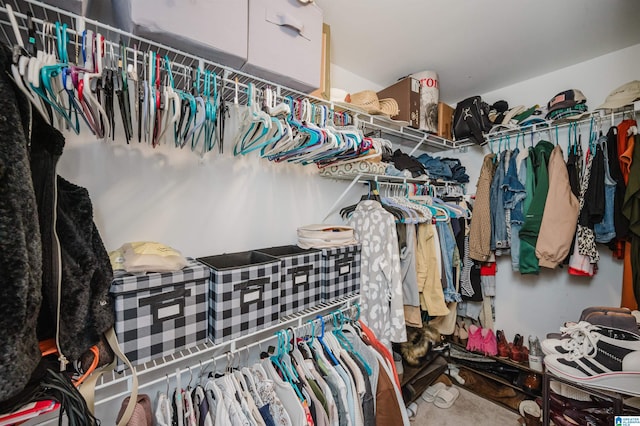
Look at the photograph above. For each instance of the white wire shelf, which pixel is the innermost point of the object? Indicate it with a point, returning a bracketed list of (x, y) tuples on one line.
[(114, 386), (182, 64)]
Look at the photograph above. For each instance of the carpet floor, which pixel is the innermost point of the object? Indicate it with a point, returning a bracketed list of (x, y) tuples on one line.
[(469, 409)]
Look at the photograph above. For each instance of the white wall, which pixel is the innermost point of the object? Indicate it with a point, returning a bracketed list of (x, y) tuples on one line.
[(352, 83), (200, 206), (540, 304)]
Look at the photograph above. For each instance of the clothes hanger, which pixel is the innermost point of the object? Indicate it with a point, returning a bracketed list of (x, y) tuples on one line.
[(255, 123), (21, 55), (102, 127), (188, 109), (172, 100), (107, 85), (345, 343), (50, 75)]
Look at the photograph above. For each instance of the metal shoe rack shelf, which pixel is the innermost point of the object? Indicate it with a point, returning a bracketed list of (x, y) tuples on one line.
[(616, 399), (521, 392)]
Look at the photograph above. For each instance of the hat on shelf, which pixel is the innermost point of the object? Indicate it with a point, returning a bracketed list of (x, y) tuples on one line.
[(368, 101), (526, 113), (502, 115), (498, 109), (512, 113), (622, 96), (569, 101)]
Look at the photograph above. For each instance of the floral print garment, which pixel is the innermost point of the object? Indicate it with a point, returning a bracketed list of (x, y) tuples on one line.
[(380, 279)]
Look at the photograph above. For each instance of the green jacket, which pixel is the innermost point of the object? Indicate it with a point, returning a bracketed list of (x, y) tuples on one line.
[(539, 176)]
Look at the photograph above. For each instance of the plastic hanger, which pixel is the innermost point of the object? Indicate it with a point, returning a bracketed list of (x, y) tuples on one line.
[(172, 99), (21, 55), (121, 87), (345, 343), (256, 126), (51, 78), (102, 128), (322, 342)]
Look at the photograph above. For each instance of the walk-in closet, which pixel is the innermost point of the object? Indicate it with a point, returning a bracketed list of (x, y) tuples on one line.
[(319, 212)]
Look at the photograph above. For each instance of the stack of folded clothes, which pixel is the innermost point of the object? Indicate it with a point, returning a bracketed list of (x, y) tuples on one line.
[(449, 169)]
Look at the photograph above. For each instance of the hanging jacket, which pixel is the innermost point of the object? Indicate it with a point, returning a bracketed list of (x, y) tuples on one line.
[(50, 246), (20, 245), (73, 255), (480, 228), (560, 215), (533, 217)]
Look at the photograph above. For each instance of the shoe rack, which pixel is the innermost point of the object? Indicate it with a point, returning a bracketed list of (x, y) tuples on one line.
[(415, 380), (499, 380), (616, 399)]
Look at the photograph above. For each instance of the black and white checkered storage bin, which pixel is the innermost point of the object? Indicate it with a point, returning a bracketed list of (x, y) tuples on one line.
[(340, 272), (300, 279), (244, 295), (157, 314)]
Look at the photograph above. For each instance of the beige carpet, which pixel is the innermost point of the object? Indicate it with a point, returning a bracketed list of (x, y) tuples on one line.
[(469, 409)]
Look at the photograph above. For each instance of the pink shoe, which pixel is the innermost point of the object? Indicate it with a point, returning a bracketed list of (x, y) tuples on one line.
[(489, 342), (475, 338)]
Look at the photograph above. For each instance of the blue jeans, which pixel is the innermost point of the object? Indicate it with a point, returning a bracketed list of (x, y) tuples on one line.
[(514, 191), (499, 239), (447, 246), (605, 231), (435, 167)]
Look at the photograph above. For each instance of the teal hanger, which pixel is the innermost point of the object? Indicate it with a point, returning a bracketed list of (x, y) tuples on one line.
[(286, 373), (51, 74), (256, 129), (345, 343)]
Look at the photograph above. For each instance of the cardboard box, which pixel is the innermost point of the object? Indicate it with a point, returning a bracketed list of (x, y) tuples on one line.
[(445, 121), (407, 93)]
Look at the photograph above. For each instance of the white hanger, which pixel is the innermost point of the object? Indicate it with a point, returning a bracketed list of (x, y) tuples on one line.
[(87, 93)]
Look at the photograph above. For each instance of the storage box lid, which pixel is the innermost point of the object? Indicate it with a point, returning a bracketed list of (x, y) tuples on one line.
[(334, 251), (124, 282), (237, 260), (286, 251)]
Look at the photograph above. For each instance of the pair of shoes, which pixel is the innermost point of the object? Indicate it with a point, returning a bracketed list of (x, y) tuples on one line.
[(601, 315), (412, 410), (482, 340), (441, 395), (504, 350), (518, 352), (462, 333), (601, 357), (531, 412), (596, 412), (573, 333)]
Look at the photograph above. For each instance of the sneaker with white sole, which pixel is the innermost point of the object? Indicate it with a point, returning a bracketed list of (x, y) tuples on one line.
[(573, 333), (606, 358)]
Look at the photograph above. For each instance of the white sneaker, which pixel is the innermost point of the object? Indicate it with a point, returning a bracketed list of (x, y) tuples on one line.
[(606, 358), (575, 335)]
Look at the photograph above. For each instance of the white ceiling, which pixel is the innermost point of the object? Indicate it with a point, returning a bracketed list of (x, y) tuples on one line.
[(474, 46)]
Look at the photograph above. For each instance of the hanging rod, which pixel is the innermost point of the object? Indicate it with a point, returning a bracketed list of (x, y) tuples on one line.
[(237, 352), (599, 117)]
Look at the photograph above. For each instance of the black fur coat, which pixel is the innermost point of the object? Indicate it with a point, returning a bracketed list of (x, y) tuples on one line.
[(20, 244), (46, 241)]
